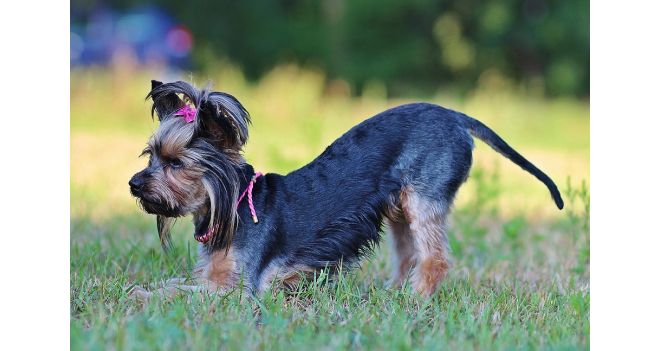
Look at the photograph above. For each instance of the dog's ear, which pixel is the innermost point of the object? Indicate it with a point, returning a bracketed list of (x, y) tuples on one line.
[(155, 83), (220, 116), (165, 99), (223, 120)]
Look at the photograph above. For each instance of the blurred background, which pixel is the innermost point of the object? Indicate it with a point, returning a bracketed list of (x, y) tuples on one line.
[(309, 70)]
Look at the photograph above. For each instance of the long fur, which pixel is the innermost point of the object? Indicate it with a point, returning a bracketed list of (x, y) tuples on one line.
[(222, 183), (164, 225), (345, 240)]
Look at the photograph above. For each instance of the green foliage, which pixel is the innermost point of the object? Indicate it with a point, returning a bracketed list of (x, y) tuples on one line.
[(579, 220), (412, 47)]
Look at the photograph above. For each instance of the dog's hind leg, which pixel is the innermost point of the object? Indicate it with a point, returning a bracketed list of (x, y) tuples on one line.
[(426, 219), (403, 251)]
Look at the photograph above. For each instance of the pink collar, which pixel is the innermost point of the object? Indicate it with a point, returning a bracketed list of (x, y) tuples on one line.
[(249, 192)]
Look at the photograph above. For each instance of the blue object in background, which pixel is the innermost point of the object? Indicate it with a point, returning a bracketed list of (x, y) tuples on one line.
[(145, 35)]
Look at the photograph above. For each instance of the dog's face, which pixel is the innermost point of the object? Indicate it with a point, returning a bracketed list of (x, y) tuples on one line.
[(171, 184), (193, 160)]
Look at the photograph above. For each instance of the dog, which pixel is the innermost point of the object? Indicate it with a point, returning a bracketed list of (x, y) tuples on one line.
[(402, 167)]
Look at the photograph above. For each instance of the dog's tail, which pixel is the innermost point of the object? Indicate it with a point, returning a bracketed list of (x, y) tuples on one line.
[(484, 133)]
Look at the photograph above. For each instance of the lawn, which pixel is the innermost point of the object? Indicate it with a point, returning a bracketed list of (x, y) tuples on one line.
[(521, 267)]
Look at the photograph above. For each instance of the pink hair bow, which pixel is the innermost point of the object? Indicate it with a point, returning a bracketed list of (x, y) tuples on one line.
[(187, 112)]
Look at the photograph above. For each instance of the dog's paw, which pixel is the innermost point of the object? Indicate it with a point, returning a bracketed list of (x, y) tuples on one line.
[(175, 281), (139, 293)]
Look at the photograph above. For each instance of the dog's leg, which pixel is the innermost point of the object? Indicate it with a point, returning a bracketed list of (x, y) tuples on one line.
[(427, 225), (216, 272), (432, 255), (176, 281), (403, 251), (171, 290)]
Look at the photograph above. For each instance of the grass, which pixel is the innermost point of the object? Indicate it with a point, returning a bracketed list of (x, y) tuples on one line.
[(521, 273)]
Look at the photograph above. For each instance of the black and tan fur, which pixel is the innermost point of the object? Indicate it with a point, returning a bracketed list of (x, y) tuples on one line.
[(401, 167)]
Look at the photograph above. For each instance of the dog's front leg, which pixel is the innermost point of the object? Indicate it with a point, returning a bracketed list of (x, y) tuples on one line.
[(176, 281), (172, 288), (217, 272)]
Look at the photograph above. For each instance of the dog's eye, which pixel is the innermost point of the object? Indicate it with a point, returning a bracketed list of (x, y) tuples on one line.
[(176, 163), (145, 152)]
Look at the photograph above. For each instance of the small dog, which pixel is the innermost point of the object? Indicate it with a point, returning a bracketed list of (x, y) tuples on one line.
[(402, 166)]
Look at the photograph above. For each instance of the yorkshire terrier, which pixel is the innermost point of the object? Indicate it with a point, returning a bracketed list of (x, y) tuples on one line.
[(402, 166)]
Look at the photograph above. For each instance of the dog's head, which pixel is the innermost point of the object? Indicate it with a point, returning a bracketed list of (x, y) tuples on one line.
[(194, 157)]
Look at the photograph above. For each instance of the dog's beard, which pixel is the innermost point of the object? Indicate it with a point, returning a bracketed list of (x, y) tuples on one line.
[(165, 218), (164, 225), (159, 209)]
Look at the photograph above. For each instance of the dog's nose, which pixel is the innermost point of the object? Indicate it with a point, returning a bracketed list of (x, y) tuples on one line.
[(136, 183)]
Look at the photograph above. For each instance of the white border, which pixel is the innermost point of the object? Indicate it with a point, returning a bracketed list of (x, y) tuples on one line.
[(35, 175), (625, 133), (625, 240)]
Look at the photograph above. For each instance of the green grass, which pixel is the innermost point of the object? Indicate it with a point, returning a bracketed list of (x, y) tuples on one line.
[(521, 269)]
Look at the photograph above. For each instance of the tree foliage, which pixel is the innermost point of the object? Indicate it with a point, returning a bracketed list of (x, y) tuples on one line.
[(416, 45)]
